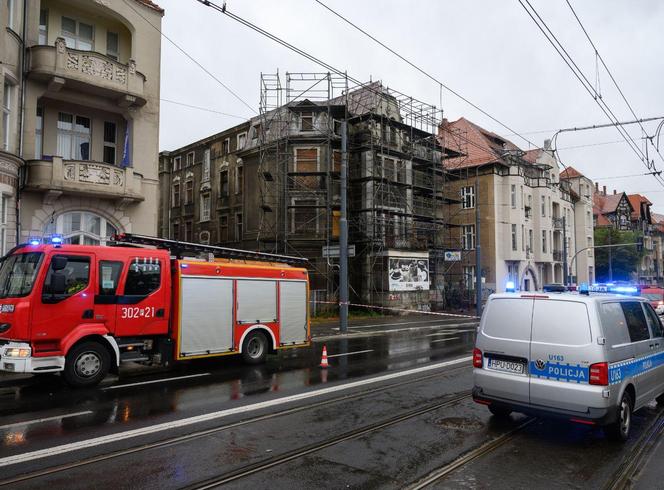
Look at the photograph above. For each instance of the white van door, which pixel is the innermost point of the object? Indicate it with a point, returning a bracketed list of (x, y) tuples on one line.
[(654, 364), (559, 355), (639, 335), (505, 332)]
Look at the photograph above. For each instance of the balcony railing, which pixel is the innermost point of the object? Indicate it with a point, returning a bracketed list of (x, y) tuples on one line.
[(90, 71)]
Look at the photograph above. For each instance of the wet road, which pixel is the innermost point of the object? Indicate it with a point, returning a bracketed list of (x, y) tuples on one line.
[(393, 410)]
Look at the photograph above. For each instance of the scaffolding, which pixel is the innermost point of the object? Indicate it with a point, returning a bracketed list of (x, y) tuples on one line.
[(396, 198)]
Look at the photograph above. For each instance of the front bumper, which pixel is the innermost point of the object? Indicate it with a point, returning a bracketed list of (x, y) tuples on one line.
[(29, 364), (595, 416)]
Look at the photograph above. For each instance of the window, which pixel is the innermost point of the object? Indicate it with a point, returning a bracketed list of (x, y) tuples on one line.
[(226, 146), (656, 326), (43, 26), (304, 216), (109, 275), (468, 237), (238, 227), (176, 231), (176, 195), (468, 197), (205, 207), (223, 183), (469, 277), (18, 273), (189, 192), (73, 137), (4, 205), (112, 45), (543, 207), (636, 321), (307, 121), (142, 278), (6, 114), (206, 165), (39, 129), (306, 161), (530, 240), (110, 136), (77, 277), (188, 231), (523, 203), (543, 241), (190, 159), (590, 244), (81, 228), (513, 272), (336, 161), (239, 179), (513, 195), (523, 238), (223, 228), (77, 35), (241, 140), (514, 238)]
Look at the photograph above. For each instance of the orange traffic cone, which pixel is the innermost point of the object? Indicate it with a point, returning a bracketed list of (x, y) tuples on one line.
[(323, 361)]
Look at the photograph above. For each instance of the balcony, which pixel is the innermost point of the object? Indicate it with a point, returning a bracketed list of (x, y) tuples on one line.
[(87, 71), (83, 178)]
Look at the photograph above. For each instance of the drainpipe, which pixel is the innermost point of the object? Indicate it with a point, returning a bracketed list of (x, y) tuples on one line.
[(22, 170)]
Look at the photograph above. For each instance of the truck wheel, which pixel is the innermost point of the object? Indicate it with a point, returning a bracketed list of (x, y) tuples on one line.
[(500, 412), (620, 429), (254, 349), (86, 364), (660, 399)]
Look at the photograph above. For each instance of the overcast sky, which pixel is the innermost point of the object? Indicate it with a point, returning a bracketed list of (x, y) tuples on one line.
[(490, 52)]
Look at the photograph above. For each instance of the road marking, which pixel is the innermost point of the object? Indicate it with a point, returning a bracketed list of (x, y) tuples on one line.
[(45, 419), (351, 353), (115, 387), (444, 340), (175, 424)]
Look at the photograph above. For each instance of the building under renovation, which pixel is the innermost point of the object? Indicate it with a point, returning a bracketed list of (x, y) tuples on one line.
[(273, 184)]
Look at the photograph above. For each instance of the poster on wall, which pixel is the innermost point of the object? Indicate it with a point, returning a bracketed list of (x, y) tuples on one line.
[(408, 274)]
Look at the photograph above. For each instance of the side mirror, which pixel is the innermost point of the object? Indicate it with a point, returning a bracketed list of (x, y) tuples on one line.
[(58, 283), (58, 262)]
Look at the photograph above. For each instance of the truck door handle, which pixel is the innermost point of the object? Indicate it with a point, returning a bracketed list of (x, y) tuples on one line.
[(160, 313), (87, 314)]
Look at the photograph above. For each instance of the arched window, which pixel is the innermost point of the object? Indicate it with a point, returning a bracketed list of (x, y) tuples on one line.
[(81, 228)]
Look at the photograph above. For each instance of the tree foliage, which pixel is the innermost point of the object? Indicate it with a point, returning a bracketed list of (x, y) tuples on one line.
[(624, 260)]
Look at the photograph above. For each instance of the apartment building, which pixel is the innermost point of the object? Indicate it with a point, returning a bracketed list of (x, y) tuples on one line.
[(273, 184), (527, 213), (80, 129)]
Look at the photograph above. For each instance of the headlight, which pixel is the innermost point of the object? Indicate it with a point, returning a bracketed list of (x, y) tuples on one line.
[(17, 352)]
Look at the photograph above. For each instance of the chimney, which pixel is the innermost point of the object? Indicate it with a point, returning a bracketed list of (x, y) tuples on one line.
[(596, 186), (604, 190), (547, 144), (614, 192)]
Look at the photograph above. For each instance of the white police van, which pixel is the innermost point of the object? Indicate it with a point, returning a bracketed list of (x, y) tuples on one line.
[(591, 359)]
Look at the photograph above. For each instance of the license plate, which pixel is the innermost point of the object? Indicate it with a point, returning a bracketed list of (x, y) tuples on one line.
[(507, 366)]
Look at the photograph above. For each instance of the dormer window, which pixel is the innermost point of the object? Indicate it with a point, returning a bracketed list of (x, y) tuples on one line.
[(77, 35), (307, 121)]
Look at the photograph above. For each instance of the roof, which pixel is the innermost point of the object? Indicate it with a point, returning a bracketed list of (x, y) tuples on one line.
[(570, 173), (479, 145), (568, 296), (532, 155), (636, 200), (607, 204), (602, 221), (151, 5)]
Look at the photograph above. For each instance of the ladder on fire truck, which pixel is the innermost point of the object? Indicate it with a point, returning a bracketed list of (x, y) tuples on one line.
[(180, 249)]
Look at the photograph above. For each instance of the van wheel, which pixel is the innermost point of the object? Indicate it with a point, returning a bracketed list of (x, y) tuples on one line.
[(660, 399), (86, 364), (620, 429), (500, 412), (254, 349)]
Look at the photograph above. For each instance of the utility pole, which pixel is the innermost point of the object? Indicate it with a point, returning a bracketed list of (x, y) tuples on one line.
[(478, 253), (565, 271), (610, 256), (343, 233)]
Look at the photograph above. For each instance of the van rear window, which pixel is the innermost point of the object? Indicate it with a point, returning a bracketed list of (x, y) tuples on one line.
[(508, 318), (561, 322)]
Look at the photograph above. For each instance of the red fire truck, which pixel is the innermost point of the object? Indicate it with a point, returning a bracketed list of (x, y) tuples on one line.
[(84, 310)]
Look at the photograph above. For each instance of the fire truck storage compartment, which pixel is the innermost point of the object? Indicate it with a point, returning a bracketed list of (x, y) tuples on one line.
[(206, 316), (256, 301), (293, 312)]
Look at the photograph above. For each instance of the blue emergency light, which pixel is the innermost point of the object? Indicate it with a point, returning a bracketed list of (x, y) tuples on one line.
[(34, 241), (584, 289), (510, 287), (624, 290), (56, 239)]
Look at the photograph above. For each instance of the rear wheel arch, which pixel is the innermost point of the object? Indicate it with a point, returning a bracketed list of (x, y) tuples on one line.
[(632, 393), (271, 340)]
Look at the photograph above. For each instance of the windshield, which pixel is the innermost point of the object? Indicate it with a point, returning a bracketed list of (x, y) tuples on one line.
[(652, 296), (18, 273)]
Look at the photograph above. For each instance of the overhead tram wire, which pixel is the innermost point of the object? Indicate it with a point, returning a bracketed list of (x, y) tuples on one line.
[(428, 75), (587, 85), (215, 78), (184, 104), (622, 94)]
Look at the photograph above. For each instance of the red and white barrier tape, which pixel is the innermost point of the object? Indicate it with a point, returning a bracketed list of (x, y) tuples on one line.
[(436, 313)]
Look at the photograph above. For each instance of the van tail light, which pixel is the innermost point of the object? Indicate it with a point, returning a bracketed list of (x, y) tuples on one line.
[(599, 374), (477, 358)]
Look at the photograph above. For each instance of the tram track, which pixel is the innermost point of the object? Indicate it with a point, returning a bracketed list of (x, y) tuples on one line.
[(171, 441)]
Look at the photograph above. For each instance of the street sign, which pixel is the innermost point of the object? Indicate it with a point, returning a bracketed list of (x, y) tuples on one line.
[(451, 256), (332, 251)]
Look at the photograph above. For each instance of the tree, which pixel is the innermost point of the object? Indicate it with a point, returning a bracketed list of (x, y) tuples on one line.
[(624, 260)]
